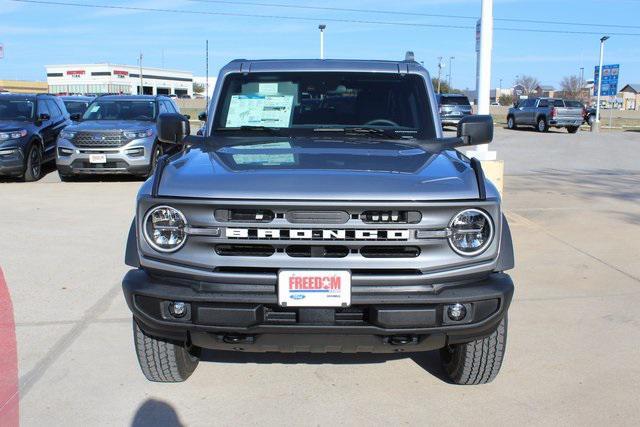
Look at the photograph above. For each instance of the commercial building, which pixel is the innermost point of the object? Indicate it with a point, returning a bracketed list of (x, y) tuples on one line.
[(631, 96), (109, 78), (23, 86)]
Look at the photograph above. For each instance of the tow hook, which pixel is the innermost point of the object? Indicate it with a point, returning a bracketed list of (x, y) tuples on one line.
[(238, 339), (402, 340)]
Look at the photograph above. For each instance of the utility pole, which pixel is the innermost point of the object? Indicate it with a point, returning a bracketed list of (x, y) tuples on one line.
[(451, 58), (140, 63), (595, 127), (206, 82), (581, 82), (439, 71), (322, 27)]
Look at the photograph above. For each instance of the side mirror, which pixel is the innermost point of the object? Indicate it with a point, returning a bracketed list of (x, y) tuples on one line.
[(202, 116), (173, 128), (43, 117), (75, 117), (476, 130)]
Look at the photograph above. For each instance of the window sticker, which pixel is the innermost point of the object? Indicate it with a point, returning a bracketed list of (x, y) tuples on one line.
[(260, 110), (278, 157)]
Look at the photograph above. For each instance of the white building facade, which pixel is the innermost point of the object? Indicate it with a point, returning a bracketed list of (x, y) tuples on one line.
[(97, 79)]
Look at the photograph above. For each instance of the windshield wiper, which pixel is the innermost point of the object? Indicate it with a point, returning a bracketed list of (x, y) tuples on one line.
[(274, 131), (387, 133)]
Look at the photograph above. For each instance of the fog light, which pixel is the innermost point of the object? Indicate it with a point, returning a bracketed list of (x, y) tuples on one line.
[(178, 308), (456, 312)]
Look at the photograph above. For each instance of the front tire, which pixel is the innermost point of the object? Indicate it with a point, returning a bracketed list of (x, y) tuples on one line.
[(511, 123), (155, 155), (476, 362), (33, 163), (164, 361)]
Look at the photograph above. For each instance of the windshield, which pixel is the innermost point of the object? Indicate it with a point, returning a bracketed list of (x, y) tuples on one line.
[(121, 110), (454, 100), (76, 107), (321, 102), (21, 110), (573, 104)]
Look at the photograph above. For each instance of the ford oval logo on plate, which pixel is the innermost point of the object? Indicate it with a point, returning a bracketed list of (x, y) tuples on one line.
[(297, 296)]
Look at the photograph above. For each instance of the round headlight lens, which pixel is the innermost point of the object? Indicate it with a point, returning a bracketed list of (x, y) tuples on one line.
[(164, 228), (471, 232)]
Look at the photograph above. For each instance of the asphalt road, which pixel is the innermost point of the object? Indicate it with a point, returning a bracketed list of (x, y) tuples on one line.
[(573, 202)]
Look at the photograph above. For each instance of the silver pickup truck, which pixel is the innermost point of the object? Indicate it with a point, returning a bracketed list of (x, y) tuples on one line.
[(543, 113)]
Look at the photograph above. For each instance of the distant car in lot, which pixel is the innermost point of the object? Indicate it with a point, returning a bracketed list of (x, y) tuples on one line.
[(495, 104), (76, 105), (543, 113), (29, 126), (452, 108), (116, 135)]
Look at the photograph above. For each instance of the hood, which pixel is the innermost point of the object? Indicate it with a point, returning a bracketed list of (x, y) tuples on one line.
[(9, 125), (317, 169), (110, 125)]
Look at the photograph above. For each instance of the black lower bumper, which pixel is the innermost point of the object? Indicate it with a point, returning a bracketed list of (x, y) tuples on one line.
[(374, 323)]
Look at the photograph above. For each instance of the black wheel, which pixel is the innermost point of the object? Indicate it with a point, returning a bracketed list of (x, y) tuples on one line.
[(511, 123), (33, 163), (476, 362), (542, 125), (572, 129), (155, 155), (164, 361)]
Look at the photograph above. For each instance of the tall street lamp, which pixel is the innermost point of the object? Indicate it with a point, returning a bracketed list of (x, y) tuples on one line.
[(322, 27), (595, 127), (451, 58)]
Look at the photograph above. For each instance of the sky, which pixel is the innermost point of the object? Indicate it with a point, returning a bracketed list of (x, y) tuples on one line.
[(35, 35)]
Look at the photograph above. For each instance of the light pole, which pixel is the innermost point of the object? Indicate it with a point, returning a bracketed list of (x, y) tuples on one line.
[(595, 127), (451, 58), (581, 82), (140, 63), (439, 71), (321, 27)]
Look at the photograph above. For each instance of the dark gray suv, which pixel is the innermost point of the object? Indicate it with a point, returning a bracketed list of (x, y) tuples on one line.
[(321, 211), (452, 108), (116, 134)]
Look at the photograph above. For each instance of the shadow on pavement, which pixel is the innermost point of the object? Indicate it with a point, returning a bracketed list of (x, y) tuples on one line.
[(429, 361), (156, 413)]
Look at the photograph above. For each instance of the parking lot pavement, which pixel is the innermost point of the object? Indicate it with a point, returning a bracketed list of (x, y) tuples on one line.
[(573, 346)]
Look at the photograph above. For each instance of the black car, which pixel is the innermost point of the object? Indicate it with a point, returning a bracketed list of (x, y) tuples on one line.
[(29, 127), (76, 105)]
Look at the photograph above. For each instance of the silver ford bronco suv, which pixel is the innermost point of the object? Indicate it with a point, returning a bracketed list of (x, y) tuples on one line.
[(322, 210)]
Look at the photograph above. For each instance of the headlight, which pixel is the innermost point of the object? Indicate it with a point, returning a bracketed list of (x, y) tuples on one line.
[(138, 134), (67, 135), (471, 232), (164, 228), (16, 134)]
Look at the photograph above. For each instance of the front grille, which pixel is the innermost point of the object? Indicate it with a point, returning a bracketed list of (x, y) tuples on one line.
[(99, 139), (84, 164), (308, 251), (244, 215), (391, 217), (390, 252), (245, 250)]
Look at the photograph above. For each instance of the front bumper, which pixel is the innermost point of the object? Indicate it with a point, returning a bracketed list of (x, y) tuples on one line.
[(132, 158), (248, 317), (11, 161)]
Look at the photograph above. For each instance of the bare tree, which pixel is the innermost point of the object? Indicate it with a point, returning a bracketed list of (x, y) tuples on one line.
[(528, 83), (571, 87)]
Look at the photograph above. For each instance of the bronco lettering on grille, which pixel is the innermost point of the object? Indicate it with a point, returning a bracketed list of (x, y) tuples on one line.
[(314, 234)]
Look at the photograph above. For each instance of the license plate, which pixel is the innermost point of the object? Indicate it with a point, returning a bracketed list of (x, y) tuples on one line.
[(97, 158), (314, 288)]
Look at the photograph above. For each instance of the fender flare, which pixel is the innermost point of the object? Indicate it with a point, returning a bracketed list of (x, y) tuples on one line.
[(506, 258), (131, 256)]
